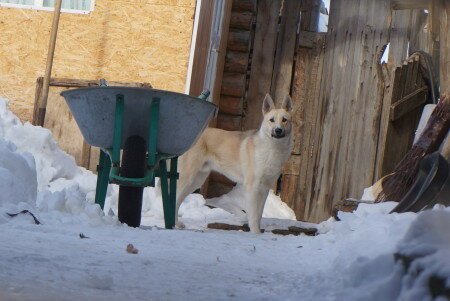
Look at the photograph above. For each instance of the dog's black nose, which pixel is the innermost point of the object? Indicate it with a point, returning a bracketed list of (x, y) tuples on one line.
[(278, 131)]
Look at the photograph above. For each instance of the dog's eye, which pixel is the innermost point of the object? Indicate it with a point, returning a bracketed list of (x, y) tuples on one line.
[(272, 119), (284, 119)]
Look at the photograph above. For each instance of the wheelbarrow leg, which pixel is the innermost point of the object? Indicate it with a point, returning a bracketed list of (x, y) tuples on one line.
[(173, 176), (168, 195), (103, 169)]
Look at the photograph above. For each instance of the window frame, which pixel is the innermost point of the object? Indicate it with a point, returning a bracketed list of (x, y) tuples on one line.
[(39, 5)]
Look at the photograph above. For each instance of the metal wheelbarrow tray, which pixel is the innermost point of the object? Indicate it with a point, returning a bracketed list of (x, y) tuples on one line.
[(150, 126), (182, 118)]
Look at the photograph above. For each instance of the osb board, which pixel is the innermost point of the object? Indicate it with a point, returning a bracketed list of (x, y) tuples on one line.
[(121, 40), (60, 122)]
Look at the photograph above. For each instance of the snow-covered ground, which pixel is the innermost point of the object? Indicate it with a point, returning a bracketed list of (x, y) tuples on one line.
[(351, 259)]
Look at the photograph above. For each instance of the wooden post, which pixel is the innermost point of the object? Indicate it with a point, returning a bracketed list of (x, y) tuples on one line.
[(48, 69), (445, 48), (434, 28)]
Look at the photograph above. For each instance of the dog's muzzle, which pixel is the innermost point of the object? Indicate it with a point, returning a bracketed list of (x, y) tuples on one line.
[(278, 133)]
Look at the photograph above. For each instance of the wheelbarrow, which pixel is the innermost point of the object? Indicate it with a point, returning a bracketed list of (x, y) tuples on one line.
[(149, 126)]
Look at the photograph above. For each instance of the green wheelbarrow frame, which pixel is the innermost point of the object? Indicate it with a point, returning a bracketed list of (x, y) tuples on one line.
[(109, 163)]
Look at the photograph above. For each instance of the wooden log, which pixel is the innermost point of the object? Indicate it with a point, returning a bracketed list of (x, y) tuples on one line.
[(231, 105), (233, 84), (236, 62), (397, 184), (409, 4), (243, 5), (228, 227), (238, 40), (241, 20), (229, 122), (292, 230)]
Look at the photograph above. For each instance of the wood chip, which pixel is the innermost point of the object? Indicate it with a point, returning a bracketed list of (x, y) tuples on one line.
[(131, 249)]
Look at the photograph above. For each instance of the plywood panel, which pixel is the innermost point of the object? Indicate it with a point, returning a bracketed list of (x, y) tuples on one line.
[(122, 40)]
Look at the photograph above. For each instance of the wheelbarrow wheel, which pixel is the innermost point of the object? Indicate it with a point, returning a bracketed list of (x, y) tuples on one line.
[(133, 166)]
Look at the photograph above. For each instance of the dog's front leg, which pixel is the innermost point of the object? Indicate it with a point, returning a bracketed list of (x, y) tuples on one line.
[(255, 199)]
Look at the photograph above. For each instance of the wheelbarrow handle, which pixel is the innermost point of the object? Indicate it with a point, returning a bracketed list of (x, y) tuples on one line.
[(205, 94)]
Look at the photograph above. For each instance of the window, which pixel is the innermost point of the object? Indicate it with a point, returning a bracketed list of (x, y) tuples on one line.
[(68, 6)]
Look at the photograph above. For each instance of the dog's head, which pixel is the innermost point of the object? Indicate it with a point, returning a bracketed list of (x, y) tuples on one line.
[(277, 123)]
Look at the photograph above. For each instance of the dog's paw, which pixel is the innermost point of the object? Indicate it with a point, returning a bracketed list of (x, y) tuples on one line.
[(180, 225)]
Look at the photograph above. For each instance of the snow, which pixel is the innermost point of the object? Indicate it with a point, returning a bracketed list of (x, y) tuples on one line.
[(352, 259)]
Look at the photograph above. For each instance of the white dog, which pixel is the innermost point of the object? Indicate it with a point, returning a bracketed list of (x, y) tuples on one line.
[(253, 159)]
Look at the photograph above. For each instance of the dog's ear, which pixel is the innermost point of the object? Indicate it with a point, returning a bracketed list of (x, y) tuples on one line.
[(287, 103), (268, 104)]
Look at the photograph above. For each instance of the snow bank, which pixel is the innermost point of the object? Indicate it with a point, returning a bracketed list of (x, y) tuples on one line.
[(36, 171), (411, 270)]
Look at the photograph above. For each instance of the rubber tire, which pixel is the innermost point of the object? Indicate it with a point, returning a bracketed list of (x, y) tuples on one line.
[(133, 166)]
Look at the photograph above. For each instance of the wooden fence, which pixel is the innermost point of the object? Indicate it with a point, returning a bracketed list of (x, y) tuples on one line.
[(340, 90)]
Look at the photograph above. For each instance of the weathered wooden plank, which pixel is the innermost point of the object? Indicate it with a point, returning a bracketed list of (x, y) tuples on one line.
[(239, 40), (445, 48), (385, 124), (37, 96), (241, 20), (282, 71), (202, 45), (59, 120), (408, 103), (308, 39), (310, 15), (353, 101), (434, 27), (409, 4), (231, 105), (399, 39), (419, 36), (233, 84), (262, 62), (292, 167), (236, 62)]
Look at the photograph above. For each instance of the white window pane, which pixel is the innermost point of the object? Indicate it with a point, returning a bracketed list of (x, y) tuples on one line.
[(70, 4), (25, 2)]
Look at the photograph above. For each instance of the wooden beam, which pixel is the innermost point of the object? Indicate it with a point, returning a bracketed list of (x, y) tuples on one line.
[(201, 48), (408, 103), (409, 4), (445, 48), (48, 68)]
